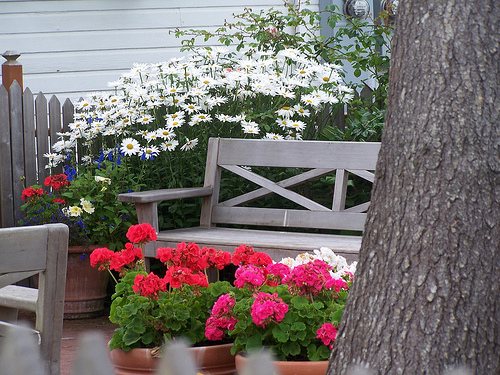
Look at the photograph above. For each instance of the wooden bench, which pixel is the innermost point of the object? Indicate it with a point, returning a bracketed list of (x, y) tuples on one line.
[(313, 158), (27, 251)]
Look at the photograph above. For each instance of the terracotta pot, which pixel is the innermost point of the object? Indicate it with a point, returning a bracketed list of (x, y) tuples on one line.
[(86, 286), (290, 367), (212, 360)]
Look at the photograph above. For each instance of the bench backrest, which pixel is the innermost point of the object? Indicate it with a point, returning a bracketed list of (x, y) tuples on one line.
[(314, 158)]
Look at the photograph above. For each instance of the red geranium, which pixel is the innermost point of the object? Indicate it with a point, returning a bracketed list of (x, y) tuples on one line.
[(57, 181), (141, 233), (149, 286), (31, 192), (242, 255)]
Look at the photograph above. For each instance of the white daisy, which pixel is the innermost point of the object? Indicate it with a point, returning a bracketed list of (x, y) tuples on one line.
[(169, 145), (273, 136), (150, 152), (286, 112), (190, 144), (130, 146)]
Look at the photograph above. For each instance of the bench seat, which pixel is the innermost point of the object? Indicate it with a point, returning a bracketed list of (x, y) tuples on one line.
[(270, 242)]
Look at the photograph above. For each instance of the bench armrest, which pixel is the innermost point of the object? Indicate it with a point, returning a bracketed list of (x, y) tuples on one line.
[(164, 195)]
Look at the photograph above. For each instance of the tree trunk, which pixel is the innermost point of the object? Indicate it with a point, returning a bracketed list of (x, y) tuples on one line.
[(426, 295)]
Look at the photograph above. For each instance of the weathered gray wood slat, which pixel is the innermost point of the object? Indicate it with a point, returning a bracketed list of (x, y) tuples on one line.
[(29, 138), (6, 202), (339, 190), (213, 179), (23, 255), (275, 217), (271, 186), (55, 126), (367, 175), (68, 110), (277, 244), (26, 298), (17, 145), (299, 154), (289, 182), (363, 207), (42, 135), (164, 194)]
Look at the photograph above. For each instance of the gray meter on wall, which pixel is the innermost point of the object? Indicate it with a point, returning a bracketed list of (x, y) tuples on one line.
[(356, 8)]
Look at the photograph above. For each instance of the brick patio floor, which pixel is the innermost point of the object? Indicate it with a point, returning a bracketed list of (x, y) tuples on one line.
[(72, 330)]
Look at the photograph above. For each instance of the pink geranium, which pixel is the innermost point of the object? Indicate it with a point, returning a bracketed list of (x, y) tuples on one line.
[(268, 308), (249, 277), (221, 318), (327, 334)]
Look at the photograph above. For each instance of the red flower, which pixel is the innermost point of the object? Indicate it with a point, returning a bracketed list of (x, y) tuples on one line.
[(308, 278), (260, 259), (57, 181), (141, 233), (177, 276), (217, 258), (189, 256), (101, 257), (242, 255), (59, 200), (31, 192), (126, 258), (149, 286)]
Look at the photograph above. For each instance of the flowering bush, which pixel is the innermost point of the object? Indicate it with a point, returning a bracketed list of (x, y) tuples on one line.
[(87, 204), (293, 307), (161, 115)]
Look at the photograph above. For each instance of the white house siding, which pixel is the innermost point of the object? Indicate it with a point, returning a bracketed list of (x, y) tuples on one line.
[(71, 47)]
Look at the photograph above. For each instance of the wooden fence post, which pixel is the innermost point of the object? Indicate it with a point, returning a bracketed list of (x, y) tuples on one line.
[(12, 70)]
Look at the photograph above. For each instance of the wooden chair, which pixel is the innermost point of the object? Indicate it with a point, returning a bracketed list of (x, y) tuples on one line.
[(24, 252)]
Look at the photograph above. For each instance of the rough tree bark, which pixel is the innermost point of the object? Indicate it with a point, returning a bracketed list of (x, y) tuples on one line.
[(426, 295)]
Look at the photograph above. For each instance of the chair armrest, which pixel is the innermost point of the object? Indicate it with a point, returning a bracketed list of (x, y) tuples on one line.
[(164, 194)]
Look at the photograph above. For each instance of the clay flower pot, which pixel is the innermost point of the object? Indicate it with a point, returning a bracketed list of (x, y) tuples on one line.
[(289, 367), (212, 360), (86, 286)]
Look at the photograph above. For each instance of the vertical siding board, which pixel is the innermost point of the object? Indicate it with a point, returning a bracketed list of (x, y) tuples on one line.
[(17, 147), (42, 135), (29, 138), (6, 203)]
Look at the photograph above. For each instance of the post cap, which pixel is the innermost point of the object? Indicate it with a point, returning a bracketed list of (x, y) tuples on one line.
[(11, 57)]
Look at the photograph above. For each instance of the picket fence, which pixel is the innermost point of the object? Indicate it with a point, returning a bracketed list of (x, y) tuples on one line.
[(28, 126)]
